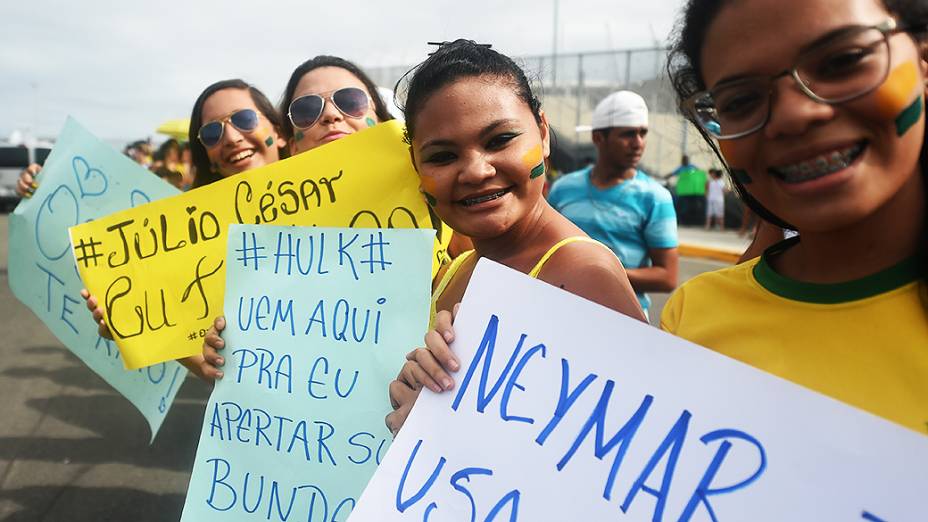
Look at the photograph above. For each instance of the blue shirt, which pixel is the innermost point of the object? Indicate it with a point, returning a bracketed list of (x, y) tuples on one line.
[(630, 218)]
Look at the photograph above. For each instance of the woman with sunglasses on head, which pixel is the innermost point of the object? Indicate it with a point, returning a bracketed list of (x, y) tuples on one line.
[(479, 139), (818, 109), (235, 128)]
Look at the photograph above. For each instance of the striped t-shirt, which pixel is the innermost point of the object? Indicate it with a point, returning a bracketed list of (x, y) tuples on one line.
[(630, 218)]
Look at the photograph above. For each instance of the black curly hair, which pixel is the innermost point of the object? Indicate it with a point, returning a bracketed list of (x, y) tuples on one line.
[(457, 59)]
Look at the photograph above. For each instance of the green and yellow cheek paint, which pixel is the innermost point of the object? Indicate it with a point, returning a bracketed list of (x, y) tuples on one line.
[(370, 121), (425, 186), (900, 97), (299, 135), (535, 161), (264, 135)]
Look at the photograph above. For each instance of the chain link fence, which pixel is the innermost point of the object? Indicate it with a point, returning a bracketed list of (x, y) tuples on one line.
[(570, 86)]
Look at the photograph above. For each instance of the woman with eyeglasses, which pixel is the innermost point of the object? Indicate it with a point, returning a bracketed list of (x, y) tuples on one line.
[(818, 109), (479, 139)]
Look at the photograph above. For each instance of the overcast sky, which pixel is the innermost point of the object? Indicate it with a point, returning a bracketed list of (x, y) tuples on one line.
[(121, 68)]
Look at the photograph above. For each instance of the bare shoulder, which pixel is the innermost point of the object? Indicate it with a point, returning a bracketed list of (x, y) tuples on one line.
[(592, 271)]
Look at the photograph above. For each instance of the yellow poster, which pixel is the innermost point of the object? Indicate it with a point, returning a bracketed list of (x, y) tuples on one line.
[(158, 270)]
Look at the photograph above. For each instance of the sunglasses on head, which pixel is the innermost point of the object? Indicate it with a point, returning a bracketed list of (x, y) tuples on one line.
[(245, 120), (305, 111)]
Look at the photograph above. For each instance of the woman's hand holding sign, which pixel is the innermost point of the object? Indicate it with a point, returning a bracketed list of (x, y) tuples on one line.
[(209, 364), (205, 366), (429, 366), (97, 313)]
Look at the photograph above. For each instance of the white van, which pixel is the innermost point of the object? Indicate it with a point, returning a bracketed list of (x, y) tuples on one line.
[(13, 159)]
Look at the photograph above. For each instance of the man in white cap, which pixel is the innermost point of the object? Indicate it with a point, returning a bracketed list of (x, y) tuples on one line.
[(619, 205)]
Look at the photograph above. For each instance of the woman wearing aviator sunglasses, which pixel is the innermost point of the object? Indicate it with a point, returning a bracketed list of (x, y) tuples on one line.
[(328, 98), (818, 109), (233, 128)]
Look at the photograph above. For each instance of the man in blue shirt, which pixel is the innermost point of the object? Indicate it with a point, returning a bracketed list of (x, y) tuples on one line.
[(619, 205)]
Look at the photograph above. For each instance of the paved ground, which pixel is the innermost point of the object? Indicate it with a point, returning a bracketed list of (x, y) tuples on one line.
[(726, 246), (71, 449)]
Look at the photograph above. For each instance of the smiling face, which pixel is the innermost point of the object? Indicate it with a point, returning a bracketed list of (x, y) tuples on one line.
[(332, 124), (240, 151), (820, 167), (480, 156)]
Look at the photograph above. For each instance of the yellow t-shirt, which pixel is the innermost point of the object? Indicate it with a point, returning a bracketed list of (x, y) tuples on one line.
[(864, 342)]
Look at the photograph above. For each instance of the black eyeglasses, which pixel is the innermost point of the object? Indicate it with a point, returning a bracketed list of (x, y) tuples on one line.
[(841, 68), (305, 111), (210, 134)]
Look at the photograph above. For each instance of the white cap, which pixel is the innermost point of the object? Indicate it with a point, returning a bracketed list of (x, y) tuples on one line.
[(620, 109)]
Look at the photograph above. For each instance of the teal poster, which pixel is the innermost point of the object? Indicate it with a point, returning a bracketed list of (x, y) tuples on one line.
[(318, 322), (84, 179)]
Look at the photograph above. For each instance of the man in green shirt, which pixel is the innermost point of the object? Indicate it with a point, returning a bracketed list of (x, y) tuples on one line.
[(691, 192)]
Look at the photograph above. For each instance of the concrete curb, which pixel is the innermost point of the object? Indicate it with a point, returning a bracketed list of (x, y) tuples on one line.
[(726, 255)]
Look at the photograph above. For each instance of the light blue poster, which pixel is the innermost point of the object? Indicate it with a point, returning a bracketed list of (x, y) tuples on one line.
[(318, 322), (83, 179)]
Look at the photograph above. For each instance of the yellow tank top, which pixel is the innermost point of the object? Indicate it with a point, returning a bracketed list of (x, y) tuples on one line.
[(459, 261)]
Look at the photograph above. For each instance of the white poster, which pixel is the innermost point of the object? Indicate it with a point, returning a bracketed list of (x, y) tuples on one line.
[(565, 410)]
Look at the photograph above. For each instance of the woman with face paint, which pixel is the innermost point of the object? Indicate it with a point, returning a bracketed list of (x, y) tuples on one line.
[(478, 139), (327, 98), (233, 128), (817, 107)]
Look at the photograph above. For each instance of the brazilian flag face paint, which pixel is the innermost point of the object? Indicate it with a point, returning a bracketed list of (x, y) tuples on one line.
[(429, 198), (299, 135), (539, 170), (534, 161), (370, 121), (263, 135), (899, 98), (909, 117)]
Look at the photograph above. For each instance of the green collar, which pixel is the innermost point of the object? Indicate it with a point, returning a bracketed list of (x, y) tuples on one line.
[(884, 281)]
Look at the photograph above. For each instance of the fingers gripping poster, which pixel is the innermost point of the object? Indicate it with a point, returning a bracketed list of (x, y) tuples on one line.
[(314, 335), (159, 269), (84, 179)]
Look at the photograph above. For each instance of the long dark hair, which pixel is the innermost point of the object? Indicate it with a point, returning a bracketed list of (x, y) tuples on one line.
[(204, 172), (457, 59), (684, 66), (380, 108)]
